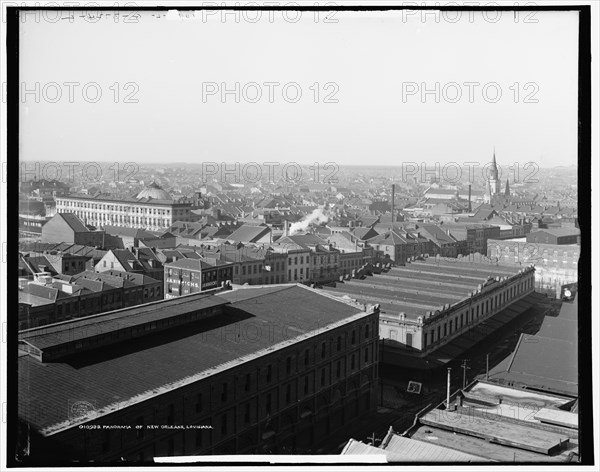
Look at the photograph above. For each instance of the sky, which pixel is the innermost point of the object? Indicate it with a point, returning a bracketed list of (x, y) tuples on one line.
[(361, 77)]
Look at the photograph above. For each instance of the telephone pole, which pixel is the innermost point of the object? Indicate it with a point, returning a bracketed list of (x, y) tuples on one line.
[(464, 367)]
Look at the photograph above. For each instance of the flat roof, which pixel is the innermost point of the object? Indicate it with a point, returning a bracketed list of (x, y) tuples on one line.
[(499, 423), (139, 369)]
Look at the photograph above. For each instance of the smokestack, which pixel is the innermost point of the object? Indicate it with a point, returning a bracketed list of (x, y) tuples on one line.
[(393, 200), (286, 228), (470, 198)]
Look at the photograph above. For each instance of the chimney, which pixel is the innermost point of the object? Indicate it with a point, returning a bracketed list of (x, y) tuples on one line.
[(393, 200), (286, 228), (469, 209)]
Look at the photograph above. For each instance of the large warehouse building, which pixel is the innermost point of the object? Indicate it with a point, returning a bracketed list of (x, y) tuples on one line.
[(268, 369), (429, 304)]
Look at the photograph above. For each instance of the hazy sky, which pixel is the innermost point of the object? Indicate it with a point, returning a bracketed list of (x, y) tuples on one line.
[(376, 64)]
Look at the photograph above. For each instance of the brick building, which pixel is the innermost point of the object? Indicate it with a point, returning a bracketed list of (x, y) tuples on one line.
[(186, 276), (254, 370)]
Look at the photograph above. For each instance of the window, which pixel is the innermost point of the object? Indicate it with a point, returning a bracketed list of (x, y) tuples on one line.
[(306, 357), (224, 393), (339, 343), (224, 424), (171, 416), (199, 403), (288, 365), (338, 369), (288, 394), (306, 385), (367, 354), (352, 362), (247, 383), (367, 331), (198, 438), (269, 372), (323, 350), (268, 404), (247, 413), (353, 337), (105, 440), (322, 377)]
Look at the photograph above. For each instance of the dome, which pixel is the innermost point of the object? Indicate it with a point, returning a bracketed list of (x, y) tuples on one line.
[(155, 192)]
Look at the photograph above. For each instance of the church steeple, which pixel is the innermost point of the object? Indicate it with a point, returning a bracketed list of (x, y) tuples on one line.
[(494, 166)]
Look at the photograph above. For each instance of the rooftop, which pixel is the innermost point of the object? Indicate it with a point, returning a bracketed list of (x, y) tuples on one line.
[(137, 370), (545, 361), (422, 286), (504, 424)]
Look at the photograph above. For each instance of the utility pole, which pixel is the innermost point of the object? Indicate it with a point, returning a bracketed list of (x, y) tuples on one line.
[(487, 366), (464, 367), (448, 390)]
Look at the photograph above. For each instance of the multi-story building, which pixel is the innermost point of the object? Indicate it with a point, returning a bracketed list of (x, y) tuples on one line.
[(252, 265), (323, 264), (187, 276), (152, 209), (254, 370), (399, 246), (473, 235), (297, 268), (555, 264)]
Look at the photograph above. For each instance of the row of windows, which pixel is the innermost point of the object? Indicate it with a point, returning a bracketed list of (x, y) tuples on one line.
[(132, 209), (304, 387), (484, 308)]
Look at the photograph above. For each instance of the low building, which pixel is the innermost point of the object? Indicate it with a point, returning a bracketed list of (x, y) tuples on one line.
[(546, 361), (49, 299), (433, 309), (254, 370), (68, 228), (59, 262), (187, 276), (557, 236), (137, 260), (501, 424)]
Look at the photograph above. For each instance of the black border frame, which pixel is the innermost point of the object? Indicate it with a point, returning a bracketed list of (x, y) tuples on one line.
[(586, 439)]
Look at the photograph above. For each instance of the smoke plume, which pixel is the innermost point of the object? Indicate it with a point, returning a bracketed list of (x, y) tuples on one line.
[(317, 216)]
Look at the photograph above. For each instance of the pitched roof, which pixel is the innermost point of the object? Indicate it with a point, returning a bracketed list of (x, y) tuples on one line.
[(249, 233), (73, 221)]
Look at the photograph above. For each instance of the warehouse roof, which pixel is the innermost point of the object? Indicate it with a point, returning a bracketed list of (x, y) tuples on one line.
[(422, 286), (134, 371)]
